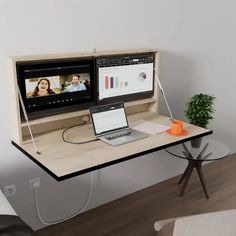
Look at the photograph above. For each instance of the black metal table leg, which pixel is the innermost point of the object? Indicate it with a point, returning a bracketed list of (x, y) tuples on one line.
[(201, 177), (183, 175), (187, 173), (187, 176)]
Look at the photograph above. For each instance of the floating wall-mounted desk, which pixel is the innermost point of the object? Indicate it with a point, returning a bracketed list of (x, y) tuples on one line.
[(63, 160)]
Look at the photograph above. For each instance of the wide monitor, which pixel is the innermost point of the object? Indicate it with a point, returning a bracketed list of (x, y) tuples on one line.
[(125, 78), (52, 87)]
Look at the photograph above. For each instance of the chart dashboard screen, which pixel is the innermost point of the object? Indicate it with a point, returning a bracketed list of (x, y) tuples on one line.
[(125, 76)]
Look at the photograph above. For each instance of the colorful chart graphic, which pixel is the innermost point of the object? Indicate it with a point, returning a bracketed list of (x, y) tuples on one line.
[(125, 80), (142, 76), (111, 82)]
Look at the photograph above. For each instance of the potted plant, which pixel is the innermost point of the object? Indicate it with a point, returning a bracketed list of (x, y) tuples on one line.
[(199, 111)]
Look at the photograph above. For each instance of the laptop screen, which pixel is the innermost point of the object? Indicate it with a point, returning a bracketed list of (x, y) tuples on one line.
[(108, 118)]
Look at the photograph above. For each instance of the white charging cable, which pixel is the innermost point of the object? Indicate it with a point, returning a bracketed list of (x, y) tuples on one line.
[(67, 218)]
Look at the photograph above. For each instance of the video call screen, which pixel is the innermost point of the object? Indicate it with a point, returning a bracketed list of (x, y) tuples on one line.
[(55, 85)]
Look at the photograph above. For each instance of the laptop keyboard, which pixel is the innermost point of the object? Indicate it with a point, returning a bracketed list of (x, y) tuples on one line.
[(119, 135)]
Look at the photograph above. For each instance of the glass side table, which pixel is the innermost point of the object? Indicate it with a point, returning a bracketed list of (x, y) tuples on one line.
[(209, 150)]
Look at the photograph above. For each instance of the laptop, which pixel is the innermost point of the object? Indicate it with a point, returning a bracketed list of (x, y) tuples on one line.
[(111, 125)]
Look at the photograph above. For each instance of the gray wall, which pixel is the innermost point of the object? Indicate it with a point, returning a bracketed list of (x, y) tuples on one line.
[(197, 42)]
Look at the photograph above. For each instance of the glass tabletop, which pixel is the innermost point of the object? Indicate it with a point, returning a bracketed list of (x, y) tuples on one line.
[(209, 150)]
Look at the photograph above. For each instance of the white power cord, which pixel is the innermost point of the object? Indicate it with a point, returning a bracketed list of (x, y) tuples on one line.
[(62, 220)]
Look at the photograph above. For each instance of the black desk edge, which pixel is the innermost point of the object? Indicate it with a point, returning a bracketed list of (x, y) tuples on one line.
[(80, 172)]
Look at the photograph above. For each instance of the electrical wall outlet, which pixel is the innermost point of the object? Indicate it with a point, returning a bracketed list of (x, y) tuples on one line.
[(34, 183), (9, 190)]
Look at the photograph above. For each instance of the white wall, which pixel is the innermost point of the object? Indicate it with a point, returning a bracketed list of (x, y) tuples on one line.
[(197, 42)]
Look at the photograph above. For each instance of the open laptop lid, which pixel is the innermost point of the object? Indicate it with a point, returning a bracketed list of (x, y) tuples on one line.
[(108, 118)]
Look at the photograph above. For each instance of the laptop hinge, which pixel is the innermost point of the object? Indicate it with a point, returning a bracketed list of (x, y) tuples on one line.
[(112, 132)]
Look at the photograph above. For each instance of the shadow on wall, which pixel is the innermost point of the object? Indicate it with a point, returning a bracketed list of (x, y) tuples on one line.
[(176, 70), (57, 200)]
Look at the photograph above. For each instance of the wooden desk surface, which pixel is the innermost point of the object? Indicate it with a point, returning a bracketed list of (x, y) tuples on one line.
[(63, 160)]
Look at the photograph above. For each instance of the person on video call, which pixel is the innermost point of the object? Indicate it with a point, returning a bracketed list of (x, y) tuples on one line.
[(42, 88), (75, 84)]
